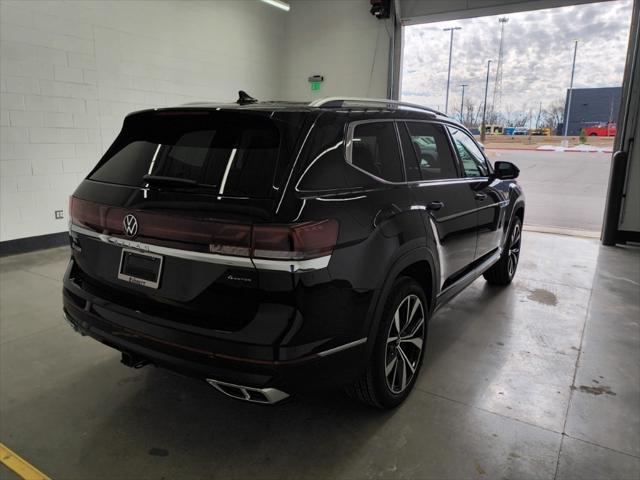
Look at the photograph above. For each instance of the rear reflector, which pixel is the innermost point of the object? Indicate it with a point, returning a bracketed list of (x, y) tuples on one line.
[(278, 242)]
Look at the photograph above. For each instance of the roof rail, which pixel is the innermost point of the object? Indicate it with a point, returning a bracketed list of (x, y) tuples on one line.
[(338, 102)]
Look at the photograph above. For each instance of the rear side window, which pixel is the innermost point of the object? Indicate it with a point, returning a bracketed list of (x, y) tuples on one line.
[(374, 149), (427, 152), (472, 159), (230, 153)]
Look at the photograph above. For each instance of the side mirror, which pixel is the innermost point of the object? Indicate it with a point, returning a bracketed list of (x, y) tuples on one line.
[(506, 170)]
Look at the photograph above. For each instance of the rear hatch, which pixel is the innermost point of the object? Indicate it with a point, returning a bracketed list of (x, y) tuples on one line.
[(170, 221)]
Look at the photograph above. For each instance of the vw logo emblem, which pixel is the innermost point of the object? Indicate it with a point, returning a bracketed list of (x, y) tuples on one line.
[(130, 225)]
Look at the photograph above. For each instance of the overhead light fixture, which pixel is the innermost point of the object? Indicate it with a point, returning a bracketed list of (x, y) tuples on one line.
[(278, 4)]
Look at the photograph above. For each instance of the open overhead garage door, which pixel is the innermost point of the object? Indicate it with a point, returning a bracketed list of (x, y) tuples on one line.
[(622, 216), (419, 11)]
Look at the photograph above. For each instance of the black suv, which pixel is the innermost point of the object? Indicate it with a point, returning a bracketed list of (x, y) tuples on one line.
[(272, 248)]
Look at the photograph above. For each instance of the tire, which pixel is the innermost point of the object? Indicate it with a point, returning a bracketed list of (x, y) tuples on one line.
[(402, 359), (503, 271)]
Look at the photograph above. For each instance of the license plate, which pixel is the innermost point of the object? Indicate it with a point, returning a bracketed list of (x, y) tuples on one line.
[(140, 268)]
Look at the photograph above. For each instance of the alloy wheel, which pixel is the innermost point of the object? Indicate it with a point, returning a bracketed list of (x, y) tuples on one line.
[(514, 249), (405, 341)]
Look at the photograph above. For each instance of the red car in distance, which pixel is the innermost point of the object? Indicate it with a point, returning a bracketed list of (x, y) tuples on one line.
[(602, 130)]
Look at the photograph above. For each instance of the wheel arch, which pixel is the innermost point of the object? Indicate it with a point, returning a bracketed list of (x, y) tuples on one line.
[(518, 210), (418, 264)]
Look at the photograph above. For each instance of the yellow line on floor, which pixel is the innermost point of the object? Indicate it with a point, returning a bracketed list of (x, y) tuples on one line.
[(19, 465)]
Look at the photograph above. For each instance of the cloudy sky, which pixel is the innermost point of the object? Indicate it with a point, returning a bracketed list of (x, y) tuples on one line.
[(538, 51)]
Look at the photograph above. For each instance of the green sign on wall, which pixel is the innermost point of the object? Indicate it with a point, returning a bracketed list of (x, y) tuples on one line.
[(315, 81)]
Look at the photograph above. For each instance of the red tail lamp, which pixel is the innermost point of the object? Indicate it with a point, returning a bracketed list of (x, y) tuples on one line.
[(278, 242)]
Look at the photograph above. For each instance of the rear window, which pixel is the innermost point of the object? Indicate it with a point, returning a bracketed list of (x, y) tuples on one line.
[(225, 153)]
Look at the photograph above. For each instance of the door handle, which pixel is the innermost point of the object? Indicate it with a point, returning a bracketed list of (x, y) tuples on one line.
[(480, 196), (435, 206)]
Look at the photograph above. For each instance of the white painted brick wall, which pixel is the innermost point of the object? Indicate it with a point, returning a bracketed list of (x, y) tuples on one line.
[(71, 70)]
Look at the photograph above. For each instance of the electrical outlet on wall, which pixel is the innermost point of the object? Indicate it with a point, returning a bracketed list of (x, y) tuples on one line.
[(58, 214)]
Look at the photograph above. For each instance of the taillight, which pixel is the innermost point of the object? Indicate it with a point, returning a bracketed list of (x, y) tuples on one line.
[(85, 213), (231, 239), (295, 242), (277, 242)]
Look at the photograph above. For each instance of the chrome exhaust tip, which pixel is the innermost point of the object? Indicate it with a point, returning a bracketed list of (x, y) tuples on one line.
[(267, 396)]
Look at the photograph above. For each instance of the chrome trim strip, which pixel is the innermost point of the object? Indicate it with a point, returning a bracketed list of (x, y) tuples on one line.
[(448, 181), (337, 145), (320, 194), (273, 395), (349, 148), (346, 199), (501, 204), (292, 265), (340, 348), (441, 257), (295, 162), (243, 262)]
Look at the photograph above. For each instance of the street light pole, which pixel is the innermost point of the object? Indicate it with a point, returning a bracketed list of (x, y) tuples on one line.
[(573, 68), (484, 107), (446, 101), (462, 103)]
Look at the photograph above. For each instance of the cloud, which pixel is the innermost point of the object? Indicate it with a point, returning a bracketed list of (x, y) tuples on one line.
[(538, 52)]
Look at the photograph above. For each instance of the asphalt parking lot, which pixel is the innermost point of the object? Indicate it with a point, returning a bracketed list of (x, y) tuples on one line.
[(563, 189)]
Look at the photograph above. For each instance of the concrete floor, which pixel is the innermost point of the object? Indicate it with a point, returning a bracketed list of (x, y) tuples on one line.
[(577, 181), (537, 380)]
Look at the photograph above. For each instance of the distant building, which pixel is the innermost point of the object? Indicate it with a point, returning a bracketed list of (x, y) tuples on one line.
[(591, 106)]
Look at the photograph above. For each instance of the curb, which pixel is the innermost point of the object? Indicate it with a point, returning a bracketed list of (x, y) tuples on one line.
[(572, 232), (570, 150)]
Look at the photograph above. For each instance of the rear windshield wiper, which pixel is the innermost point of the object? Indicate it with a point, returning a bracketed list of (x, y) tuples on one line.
[(160, 180)]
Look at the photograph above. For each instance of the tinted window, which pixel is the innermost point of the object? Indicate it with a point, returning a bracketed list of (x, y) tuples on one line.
[(472, 158), (375, 150), (428, 152), (325, 165), (225, 153)]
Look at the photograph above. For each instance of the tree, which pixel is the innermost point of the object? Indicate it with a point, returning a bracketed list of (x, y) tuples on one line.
[(520, 120), (471, 115), (552, 115)]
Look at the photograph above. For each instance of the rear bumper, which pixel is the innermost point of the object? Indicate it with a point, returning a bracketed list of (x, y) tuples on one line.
[(329, 360)]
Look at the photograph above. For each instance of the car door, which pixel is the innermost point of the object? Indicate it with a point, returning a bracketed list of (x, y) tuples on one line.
[(446, 200), (363, 187), (373, 148), (491, 202)]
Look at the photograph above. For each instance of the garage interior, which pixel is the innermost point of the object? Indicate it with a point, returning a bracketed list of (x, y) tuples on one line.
[(537, 380)]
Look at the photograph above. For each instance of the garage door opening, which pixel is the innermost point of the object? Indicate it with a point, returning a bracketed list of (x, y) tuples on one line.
[(518, 72)]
